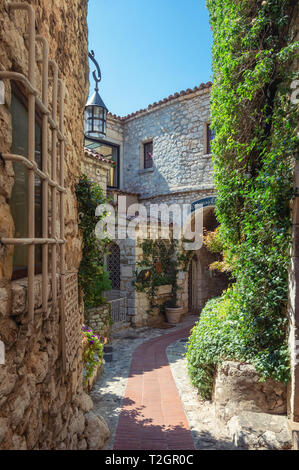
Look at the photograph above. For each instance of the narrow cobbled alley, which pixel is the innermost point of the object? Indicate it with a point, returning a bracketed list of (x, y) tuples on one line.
[(146, 397), (152, 415)]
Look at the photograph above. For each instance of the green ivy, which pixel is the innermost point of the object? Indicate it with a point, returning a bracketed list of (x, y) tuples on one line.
[(93, 277), (254, 152)]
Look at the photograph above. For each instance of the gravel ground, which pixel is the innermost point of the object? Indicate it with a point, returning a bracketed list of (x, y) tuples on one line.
[(207, 431)]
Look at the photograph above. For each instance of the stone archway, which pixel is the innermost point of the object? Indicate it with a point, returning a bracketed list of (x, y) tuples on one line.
[(204, 284)]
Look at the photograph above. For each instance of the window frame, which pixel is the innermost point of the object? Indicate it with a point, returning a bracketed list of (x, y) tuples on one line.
[(144, 169), (110, 144), (145, 158), (19, 92), (208, 141)]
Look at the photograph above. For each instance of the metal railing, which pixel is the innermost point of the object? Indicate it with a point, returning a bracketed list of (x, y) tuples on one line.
[(118, 306)]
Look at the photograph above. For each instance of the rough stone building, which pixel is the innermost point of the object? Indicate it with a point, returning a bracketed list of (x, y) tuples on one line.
[(44, 79), (162, 155)]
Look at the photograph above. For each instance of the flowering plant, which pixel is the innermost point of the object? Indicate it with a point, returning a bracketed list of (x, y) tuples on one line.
[(93, 352)]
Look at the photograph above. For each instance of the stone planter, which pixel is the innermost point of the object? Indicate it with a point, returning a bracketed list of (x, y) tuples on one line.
[(164, 290), (173, 314)]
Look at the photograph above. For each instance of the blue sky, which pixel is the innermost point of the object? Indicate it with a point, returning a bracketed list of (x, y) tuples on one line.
[(148, 49)]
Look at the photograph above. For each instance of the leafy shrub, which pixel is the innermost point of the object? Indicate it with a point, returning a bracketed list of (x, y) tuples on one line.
[(164, 253), (215, 244), (226, 331)]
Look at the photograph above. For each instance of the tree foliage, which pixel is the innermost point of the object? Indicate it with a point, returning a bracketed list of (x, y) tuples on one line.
[(93, 277)]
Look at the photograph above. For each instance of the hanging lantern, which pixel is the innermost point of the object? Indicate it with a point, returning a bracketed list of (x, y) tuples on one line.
[(95, 109)]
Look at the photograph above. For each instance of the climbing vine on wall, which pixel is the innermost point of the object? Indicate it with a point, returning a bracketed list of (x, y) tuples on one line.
[(93, 277), (254, 151), (159, 265)]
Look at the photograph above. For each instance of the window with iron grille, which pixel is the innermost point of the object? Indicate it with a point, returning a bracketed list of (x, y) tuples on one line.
[(38, 196), (113, 265), (148, 161), (19, 196)]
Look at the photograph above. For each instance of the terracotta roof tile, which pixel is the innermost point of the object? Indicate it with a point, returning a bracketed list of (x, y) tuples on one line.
[(202, 86), (97, 155)]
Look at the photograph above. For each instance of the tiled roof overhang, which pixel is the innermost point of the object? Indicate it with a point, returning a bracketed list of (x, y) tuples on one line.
[(97, 156), (189, 91)]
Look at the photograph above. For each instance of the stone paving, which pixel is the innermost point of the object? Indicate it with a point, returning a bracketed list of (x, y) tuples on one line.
[(109, 391)]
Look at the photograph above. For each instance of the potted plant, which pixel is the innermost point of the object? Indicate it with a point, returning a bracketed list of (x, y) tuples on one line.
[(173, 311)]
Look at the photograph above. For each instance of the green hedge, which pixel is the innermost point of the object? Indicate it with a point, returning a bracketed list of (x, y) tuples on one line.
[(224, 331)]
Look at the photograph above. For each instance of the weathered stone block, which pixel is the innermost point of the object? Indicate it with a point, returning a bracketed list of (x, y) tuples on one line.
[(96, 431), (251, 430), (3, 428), (237, 388)]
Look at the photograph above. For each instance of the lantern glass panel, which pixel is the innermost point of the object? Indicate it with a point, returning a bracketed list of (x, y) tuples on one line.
[(88, 119), (98, 112)]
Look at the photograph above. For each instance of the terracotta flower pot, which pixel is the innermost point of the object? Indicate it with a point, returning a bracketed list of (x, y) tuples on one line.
[(173, 314)]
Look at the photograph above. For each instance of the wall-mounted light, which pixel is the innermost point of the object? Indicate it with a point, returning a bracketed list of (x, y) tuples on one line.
[(95, 109)]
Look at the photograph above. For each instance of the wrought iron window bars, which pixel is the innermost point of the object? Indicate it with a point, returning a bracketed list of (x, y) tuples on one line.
[(56, 124)]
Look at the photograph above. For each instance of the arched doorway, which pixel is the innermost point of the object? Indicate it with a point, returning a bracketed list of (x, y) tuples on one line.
[(204, 284)]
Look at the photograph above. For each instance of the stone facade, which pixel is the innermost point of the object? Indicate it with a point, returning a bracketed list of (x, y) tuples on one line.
[(177, 131), (99, 320), (96, 168), (42, 403), (182, 173)]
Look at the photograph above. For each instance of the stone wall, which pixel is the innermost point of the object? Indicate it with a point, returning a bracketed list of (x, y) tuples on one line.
[(177, 130), (96, 169), (237, 388), (253, 411), (144, 316), (99, 320), (41, 405)]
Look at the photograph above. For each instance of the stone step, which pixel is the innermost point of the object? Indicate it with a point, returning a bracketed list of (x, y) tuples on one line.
[(251, 430)]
